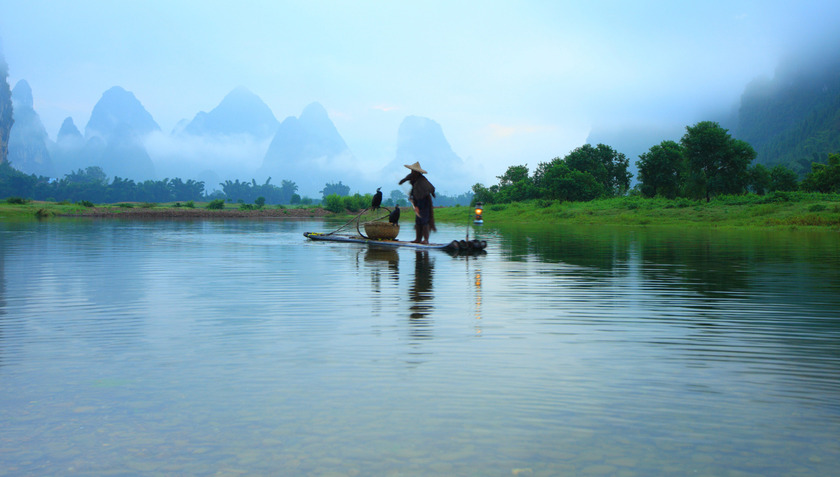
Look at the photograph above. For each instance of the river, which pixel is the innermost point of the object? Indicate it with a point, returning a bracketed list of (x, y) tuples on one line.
[(238, 347)]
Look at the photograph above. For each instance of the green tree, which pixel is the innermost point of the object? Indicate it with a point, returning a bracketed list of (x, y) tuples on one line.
[(717, 162), (398, 197), (90, 175), (16, 183), (556, 180), (515, 185), (782, 178), (662, 170), (287, 192), (758, 179), (513, 175), (122, 190), (823, 177), (482, 194), (190, 190), (607, 166), (235, 190), (335, 188)]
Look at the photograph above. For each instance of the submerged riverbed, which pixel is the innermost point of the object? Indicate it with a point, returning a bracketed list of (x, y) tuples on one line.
[(239, 347)]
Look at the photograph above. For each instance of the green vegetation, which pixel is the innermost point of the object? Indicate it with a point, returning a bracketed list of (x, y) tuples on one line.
[(352, 203), (792, 118), (216, 204), (706, 164), (587, 173), (779, 209)]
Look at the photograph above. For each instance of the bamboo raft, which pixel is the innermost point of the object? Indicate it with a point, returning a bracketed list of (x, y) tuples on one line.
[(455, 246)]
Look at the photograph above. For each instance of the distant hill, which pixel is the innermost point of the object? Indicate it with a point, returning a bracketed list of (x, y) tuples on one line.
[(115, 133), (28, 138), (119, 109), (309, 151), (5, 108), (68, 149), (632, 141), (422, 140), (240, 112), (794, 118)]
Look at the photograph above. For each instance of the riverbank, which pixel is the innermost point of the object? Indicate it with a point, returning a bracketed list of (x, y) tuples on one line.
[(793, 209), (39, 209)]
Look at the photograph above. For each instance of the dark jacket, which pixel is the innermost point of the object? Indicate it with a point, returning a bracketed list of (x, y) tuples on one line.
[(422, 192)]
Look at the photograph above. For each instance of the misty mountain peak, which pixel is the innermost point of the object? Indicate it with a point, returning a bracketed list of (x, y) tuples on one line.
[(418, 136), (317, 123), (22, 95), (240, 112), (116, 108), (68, 130), (28, 138), (422, 140), (307, 149), (314, 114)]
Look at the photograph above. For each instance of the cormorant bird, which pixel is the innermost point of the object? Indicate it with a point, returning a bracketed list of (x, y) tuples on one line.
[(394, 218), (377, 199)]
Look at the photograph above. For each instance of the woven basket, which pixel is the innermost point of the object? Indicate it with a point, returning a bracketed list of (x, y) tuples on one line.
[(381, 230)]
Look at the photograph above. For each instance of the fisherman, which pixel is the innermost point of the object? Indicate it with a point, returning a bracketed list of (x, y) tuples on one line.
[(420, 197)]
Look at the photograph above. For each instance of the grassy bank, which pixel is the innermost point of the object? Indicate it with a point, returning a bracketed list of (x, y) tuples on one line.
[(776, 210), (44, 210)]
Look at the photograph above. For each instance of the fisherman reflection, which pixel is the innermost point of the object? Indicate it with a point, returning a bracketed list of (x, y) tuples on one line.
[(421, 296)]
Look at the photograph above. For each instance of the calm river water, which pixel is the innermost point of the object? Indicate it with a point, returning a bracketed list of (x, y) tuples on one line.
[(241, 348)]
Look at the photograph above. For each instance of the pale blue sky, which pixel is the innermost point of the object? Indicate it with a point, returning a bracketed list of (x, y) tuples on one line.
[(509, 82)]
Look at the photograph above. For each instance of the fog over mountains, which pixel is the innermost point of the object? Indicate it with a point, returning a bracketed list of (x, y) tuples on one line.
[(790, 118), (238, 139), (28, 137)]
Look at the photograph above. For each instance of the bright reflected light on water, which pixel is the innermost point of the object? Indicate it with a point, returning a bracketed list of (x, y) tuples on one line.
[(204, 347)]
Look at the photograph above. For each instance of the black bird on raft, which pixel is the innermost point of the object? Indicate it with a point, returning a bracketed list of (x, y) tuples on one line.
[(394, 218), (377, 199)]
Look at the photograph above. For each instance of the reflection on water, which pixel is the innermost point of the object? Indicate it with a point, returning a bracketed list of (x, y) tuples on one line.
[(421, 293), (239, 347)]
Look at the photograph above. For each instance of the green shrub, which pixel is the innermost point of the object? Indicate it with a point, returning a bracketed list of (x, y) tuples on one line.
[(498, 207), (247, 207), (176, 205), (817, 208), (16, 200), (216, 204), (42, 213), (148, 205), (776, 196), (356, 202), (333, 203), (125, 206), (190, 204), (85, 203)]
